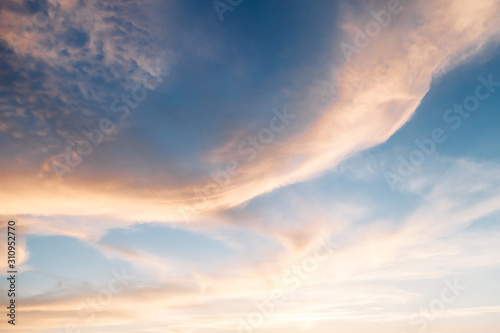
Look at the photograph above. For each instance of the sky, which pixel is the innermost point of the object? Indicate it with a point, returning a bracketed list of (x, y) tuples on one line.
[(251, 166)]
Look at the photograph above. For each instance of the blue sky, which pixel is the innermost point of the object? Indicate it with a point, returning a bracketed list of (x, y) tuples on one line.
[(170, 171)]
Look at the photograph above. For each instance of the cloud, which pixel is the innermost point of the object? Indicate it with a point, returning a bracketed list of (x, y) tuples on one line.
[(376, 93), (86, 59), (431, 243), (68, 70)]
